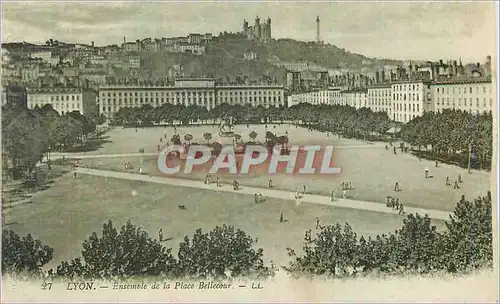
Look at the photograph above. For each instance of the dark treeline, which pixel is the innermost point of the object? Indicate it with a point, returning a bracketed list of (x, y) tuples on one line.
[(345, 120), (465, 245), (27, 134), (451, 134), (446, 136)]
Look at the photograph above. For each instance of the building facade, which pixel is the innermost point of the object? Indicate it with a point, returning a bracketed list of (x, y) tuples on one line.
[(474, 95), (199, 91), (63, 100), (328, 97), (379, 99), (410, 99), (355, 98)]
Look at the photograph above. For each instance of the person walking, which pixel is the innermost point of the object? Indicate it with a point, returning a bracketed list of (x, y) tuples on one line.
[(281, 217), (426, 172), (317, 222), (396, 187), (332, 196), (160, 235)]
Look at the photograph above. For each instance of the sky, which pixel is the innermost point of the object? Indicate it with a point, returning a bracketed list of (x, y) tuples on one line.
[(396, 30)]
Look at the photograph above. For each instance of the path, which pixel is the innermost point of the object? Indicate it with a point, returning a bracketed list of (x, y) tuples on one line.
[(267, 193), (54, 156)]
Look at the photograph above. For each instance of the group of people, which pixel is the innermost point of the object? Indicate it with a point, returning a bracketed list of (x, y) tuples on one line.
[(297, 195), (208, 181), (393, 202), (457, 181)]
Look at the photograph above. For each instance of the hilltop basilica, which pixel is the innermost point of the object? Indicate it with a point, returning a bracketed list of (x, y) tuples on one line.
[(260, 31)]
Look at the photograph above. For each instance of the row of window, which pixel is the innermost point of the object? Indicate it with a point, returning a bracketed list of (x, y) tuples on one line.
[(442, 101), (74, 106), (380, 93), (59, 97), (406, 87), (189, 99), (402, 107), (460, 90), (197, 93), (411, 97)]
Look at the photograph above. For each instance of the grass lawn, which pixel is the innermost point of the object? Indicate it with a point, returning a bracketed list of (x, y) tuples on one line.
[(371, 169), (66, 214)]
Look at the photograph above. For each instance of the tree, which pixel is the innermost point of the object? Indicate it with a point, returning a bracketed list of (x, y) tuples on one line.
[(469, 236), (23, 255), (207, 137), (130, 252), (333, 252), (223, 252)]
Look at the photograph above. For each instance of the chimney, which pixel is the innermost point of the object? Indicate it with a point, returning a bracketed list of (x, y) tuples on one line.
[(377, 79), (124, 40)]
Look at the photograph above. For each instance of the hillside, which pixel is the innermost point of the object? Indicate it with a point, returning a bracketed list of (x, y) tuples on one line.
[(225, 58)]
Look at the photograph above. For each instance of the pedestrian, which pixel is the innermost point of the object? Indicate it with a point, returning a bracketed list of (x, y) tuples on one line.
[(343, 185), (447, 181), (386, 148), (462, 199), (270, 183), (281, 217), (396, 187), (437, 163), (317, 222), (460, 178), (344, 193), (140, 170), (160, 235), (395, 151), (74, 174), (305, 189), (401, 209), (296, 192), (161, 139), (456, 185), (426, 172), (218, 182), (256, 198), (332, 196)]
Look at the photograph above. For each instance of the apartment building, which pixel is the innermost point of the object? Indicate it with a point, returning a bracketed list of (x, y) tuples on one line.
[(197, 91), (379, 98), (410, 99), (474, 95), (63, 100), (330, 96)]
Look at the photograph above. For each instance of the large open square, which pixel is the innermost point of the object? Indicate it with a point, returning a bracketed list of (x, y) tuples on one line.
[(370, 168)]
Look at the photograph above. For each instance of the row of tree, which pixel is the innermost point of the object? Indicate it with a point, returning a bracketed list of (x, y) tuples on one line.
[(27, 134), (225, 252), (418, 247), (453, 133), (334, 118)]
